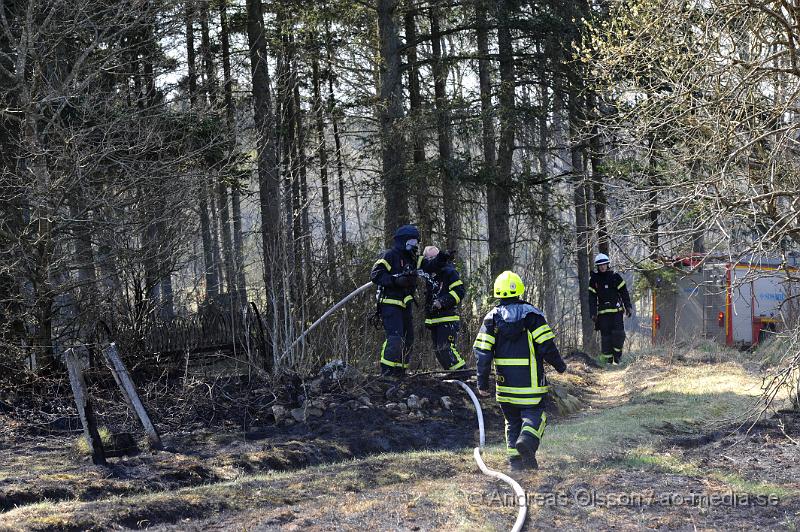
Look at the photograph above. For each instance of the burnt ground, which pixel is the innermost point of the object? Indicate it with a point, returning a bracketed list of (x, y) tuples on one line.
[(357, 459), (49, 467), (766, 452)]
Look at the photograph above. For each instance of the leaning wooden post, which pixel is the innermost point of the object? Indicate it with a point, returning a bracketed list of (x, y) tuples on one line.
[(131, 395), (84, 408)]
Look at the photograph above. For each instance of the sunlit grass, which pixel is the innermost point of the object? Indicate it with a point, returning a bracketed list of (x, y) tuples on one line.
[(645, 395), (685, 396)]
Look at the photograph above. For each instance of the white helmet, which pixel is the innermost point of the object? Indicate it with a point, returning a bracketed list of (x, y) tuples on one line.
[(601, 258)]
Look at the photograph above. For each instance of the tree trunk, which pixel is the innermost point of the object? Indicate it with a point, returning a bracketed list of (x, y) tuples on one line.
[(652, 202), (288, 143), (549, 285), (211, 278), (190, 53), (497, 206), (167, 296), (336, 138), (12, 328), (652, 198), (106, 261), (230, 118), (158, 277), (286, 140), (420, 178), (227, 245), (218, 264), (450, 188), (268, 177), (84, 266), (598, 177), (581, 226), (493, 192), (302, 163), (210, 85), (149, 253), (221, 189), (390, 112), (322, 154), (485, 83)]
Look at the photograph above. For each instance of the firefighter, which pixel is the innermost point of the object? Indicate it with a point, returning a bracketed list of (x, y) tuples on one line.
[(608, 299), (395, 274), (516, 337), (445, 290)]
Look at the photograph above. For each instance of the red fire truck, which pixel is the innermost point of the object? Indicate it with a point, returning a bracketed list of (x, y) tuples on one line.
[(735, 303)]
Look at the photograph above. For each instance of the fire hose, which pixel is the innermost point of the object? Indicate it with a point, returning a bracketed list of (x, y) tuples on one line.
[(518, 491), (330, 311), (336, 307)]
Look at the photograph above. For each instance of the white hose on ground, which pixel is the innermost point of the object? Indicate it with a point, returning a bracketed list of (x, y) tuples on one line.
[(522, 500)]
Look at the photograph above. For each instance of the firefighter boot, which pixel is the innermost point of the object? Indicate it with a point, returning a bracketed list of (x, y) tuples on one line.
[(521, 463), (527, 445)]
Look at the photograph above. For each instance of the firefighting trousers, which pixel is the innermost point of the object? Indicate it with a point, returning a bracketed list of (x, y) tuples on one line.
[(444, 344), (524, 421), (612, 336), (396, 350)]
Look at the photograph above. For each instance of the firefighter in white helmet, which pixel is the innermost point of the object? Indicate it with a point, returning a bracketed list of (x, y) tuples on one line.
[(608, 299)]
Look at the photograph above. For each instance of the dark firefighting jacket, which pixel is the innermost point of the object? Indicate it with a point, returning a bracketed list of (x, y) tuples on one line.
[(384, 273), (607, 293), (443, 285), (516, 338)]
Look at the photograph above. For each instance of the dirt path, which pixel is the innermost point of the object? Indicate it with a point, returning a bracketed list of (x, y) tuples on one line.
[(647, 454), (606, 389)]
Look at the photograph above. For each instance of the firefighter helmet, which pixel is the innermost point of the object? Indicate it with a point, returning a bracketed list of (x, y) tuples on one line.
[(508, 284), (601, 258), (406, 232)]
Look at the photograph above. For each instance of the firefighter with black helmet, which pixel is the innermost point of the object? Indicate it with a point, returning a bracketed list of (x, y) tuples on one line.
[(395, 274), (608, 299), (445, 290), (516, 337)]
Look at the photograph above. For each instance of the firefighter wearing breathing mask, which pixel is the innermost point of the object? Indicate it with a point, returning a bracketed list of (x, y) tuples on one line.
[(395, 274)]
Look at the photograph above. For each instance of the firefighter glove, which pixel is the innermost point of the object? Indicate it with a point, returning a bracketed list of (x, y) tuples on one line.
[(406, 281)]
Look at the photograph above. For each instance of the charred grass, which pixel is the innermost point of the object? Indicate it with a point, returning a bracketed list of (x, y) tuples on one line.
[(660, 437)]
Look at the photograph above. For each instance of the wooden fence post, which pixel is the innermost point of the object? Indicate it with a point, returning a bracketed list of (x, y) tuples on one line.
[(131, 395), (84, 408)]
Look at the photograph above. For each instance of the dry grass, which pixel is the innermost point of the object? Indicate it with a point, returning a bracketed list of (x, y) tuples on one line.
[(617, 443)]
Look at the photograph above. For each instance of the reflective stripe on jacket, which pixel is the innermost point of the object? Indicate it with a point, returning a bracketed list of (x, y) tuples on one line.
[(607, 293), (392, 262), (516, 337), (447, 287)]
